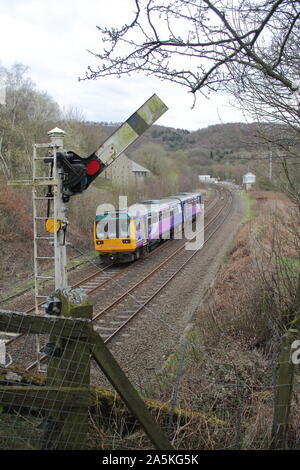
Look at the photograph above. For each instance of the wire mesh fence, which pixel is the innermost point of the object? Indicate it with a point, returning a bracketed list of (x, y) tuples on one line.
[(216, 395), (46, 414), (221, 408), (57, 412)]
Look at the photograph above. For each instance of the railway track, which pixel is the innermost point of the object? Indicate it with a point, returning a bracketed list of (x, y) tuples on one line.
[(111, 319), (95, 275), (115, 316), (22, 291)]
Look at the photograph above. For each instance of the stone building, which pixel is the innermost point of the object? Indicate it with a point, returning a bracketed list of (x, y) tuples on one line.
[(139, 173), (124, 172)]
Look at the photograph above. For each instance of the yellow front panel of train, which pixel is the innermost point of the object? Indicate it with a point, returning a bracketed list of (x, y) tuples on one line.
[(111, 245)]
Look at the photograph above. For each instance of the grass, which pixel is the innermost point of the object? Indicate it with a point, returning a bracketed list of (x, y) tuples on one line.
[(248, 206), (290, 263), (287, 267), (72, 264), (19, 433)]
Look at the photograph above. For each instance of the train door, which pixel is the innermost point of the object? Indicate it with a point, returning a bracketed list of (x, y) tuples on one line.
[(178, 221), (172, 222), (160, 228), (144, 230), (153, 226), (138, 234)]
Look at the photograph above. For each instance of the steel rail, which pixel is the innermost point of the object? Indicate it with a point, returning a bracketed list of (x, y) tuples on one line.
[(18, 294), (163, 263), (122, 272), (107, 340), (102, 312)]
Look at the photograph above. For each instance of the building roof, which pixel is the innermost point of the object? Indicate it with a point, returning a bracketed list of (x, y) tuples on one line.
[(56, 130), (137, 167)]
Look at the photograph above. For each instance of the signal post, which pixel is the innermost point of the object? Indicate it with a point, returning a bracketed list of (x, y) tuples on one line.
[(60, 221)]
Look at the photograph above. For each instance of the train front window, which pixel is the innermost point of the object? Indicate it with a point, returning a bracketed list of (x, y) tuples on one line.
[(123, 228), (112, 226)]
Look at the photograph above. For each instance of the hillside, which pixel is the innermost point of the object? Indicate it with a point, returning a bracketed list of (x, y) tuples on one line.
[(224, 150), (236, 136), (220, 139)]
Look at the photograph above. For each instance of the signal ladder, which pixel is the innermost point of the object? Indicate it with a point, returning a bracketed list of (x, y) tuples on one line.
[(45, 209)]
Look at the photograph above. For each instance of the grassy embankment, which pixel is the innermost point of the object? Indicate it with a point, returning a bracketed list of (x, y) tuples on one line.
[(227, 365)]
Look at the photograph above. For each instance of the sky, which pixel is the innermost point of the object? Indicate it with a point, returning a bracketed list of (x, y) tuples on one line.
[(52, 38)]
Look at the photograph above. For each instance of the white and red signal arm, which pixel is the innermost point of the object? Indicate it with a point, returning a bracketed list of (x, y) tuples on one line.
[(78, 172), (131, 130)]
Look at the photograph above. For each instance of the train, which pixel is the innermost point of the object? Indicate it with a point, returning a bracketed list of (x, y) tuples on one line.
[(122, 236)]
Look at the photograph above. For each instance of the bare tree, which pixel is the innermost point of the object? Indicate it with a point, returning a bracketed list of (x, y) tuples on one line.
[(205, 45), (249, 48), (25, 116)]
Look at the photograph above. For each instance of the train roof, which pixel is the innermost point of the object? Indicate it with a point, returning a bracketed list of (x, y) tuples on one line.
[(155, 204), (145, 207), (151, 201), (169, 200), (185, 196)]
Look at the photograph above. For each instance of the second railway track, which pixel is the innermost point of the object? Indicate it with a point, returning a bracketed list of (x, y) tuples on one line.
[(114, 316), (111, 319)]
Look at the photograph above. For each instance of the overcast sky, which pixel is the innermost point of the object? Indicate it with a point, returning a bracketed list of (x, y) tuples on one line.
[(52, 38)]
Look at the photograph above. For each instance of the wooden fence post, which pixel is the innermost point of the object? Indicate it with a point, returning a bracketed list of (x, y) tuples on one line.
[(68, 366), (65, 398), (283, 394), (128, 393)]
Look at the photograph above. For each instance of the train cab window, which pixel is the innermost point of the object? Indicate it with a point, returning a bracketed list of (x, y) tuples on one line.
[(106, 229), (112, 227), (123, 228)]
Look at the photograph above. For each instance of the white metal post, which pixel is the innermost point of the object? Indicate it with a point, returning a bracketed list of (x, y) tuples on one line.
[(60, 253)]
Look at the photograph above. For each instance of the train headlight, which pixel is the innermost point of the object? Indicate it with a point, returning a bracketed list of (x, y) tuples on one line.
[(125, 241), (99, 242)]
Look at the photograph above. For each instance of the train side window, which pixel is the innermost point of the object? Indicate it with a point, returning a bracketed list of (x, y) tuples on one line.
[(137, 225), (154, 218)]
